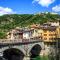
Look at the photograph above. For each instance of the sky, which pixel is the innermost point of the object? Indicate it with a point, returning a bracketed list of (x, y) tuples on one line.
[(29, 6)]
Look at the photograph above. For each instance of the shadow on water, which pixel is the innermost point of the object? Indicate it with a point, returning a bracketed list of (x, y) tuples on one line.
[(13, 54), (35, 51)]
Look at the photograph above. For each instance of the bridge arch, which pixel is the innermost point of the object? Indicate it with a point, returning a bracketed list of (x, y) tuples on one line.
[(36, 48), (12, 54), (21, 48), (35, 51), (32, 45)]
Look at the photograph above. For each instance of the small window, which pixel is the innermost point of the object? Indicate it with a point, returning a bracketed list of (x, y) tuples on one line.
[(36, 31), (45, 34), (50, 34), (45, 31), (45, 38), (50, 38)]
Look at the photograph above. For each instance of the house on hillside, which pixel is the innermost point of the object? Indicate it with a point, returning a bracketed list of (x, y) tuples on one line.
[(20, 34), (49, 33), (54, 23), (15, 34), (37, 31), (27, 33)]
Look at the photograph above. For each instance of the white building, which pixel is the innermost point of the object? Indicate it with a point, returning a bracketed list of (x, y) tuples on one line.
[(27, 34), (54, 23)]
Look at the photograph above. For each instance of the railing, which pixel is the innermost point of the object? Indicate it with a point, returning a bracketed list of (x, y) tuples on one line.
[(19, 40)]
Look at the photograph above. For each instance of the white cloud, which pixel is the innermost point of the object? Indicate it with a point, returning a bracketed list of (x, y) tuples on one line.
[(44, 3), (6, 10), (56, 8)]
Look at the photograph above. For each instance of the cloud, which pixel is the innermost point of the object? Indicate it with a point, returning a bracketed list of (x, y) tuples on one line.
[(6, 10), (56, 8), (44, 3)]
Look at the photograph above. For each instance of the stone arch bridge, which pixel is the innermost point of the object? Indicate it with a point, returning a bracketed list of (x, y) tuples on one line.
[(24, 47)]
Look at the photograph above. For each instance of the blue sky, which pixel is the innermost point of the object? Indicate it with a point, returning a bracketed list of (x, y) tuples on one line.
[(29, 6)]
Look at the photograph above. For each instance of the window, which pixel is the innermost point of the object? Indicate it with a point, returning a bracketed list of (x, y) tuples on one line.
[(45, 34), (36, 31), (45, 31), (50, 34), (45, 38), (50, 38)]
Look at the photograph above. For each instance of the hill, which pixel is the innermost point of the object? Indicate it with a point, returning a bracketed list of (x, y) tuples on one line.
[(8, 22)]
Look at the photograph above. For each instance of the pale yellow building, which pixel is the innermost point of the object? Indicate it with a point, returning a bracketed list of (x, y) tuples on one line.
[(37, 31)]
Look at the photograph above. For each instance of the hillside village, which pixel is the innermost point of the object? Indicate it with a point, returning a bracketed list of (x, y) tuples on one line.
[(46, 32), (45, 26), (11, 21)]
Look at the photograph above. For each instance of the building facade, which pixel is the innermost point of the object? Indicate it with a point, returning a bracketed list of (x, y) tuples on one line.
[(49, 33)]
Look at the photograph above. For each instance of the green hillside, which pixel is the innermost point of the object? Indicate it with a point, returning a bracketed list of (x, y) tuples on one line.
[(8, 22)]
